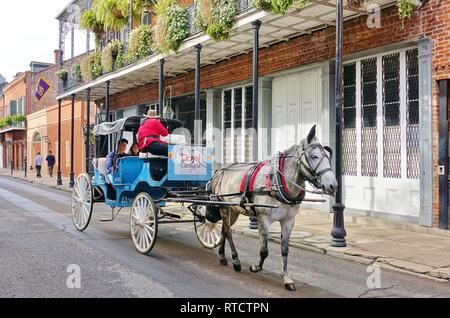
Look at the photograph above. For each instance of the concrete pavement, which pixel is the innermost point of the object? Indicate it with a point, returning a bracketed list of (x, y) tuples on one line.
[(38, 242), (394, 245)]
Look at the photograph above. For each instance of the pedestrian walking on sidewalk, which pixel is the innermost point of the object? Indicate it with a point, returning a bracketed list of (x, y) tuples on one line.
[(51, 163), (38, 164)]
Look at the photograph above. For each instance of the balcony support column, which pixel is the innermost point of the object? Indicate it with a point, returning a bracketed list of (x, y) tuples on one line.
[(72, 143), (107, 86), (198, 131), (161, 87), (256, 26), (88, 129), (59, 178)]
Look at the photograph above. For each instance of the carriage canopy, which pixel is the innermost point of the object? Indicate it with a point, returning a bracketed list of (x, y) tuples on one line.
[(131, 124)]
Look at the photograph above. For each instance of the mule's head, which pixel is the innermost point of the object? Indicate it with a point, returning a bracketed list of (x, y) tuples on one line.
[(315, 164)]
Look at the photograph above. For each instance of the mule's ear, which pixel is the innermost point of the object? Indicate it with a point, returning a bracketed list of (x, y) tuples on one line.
[(311, 134), (328, 149)]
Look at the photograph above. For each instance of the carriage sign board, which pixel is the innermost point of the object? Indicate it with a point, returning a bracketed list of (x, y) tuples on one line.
[(189, 163)]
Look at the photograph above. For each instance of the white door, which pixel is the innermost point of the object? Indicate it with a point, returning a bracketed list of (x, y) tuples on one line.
[(380, 159), (296, 107)]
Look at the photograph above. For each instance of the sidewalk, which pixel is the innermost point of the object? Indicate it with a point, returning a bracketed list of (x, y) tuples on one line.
[(404, 247), (45, 180), (394, 245)]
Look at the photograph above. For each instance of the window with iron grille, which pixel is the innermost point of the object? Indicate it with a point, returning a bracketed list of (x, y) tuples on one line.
[(227, 125), (391, 116), (388, 85), (249, 123), (412, 114), (349, 150), (369, 138), (238, 116)]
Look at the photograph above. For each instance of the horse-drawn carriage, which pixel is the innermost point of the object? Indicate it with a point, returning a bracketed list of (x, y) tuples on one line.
[(271, 190), (147, 183)]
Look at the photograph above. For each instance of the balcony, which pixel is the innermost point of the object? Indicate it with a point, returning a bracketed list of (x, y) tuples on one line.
[(316, 15), (70, 83), (12, 123)]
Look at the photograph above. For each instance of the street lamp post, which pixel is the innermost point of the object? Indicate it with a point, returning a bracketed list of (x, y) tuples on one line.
[(338, 232), (256, 26)]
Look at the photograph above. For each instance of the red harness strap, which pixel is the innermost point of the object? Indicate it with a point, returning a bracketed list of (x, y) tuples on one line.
[(283, 181), (253, 176)]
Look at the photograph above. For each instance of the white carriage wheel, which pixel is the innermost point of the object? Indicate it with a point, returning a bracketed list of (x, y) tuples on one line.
[(143, 223), (209, 234), (82, 202)]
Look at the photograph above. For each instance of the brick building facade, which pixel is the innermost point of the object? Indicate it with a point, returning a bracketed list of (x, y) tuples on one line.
[(406, 61)]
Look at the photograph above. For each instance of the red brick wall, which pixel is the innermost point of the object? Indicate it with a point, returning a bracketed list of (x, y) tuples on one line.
[(432, 20)]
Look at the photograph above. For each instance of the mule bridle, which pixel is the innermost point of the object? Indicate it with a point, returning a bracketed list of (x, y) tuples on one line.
[(307, 170)]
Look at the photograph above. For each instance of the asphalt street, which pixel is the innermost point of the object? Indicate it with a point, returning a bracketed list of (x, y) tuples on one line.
[(38, 243)]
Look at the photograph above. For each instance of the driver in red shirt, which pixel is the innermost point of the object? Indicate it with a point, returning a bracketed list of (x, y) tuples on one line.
[(149, 135)]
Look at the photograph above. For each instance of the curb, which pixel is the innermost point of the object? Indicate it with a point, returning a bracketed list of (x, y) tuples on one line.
[(377, 260), (37, 183)]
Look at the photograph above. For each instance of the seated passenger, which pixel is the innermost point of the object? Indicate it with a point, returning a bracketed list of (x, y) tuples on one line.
[(149, 135), (134, 151), (111, 163)]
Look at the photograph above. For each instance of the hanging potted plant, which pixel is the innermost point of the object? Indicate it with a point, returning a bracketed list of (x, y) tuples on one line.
[(355, 4), (139, 44), (112, 56), (62, 74), (172, 26), (91, 66), (76, 72), (405, 9), (215, 17), (111, 13), (90, 22)]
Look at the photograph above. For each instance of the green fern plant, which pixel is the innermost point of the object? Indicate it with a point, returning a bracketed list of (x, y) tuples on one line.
[(172, 26), (215, 17), (140, 44), (91, 66), (405, 9), (90, 22), (76, 72)]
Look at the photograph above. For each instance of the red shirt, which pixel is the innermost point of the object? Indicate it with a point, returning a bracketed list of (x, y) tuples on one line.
[(151, 128)]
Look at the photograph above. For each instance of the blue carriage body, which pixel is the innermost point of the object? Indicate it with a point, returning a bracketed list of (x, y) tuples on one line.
[(187, 167)]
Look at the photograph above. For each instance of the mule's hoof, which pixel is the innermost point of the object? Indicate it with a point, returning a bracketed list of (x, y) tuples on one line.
[(290, 287), (255, 269), (237, 267), (223, 261)]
